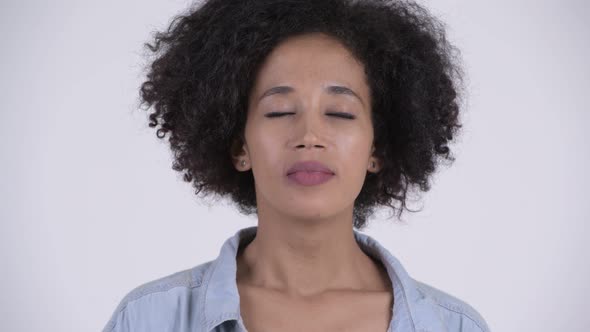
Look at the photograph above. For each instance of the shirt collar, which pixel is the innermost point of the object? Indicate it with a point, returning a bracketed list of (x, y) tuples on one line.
[(221, 302)]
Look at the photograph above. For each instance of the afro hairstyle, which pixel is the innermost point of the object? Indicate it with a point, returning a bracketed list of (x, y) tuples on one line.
[(203, 66)]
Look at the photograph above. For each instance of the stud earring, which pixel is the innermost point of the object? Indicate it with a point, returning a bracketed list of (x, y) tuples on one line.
[(372, 164), (243, 163)]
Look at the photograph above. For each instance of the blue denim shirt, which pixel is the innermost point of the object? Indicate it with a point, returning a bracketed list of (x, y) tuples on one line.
[(205, 298)]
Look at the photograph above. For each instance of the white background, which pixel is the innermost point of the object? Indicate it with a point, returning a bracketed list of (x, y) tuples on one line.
[(91, 207)]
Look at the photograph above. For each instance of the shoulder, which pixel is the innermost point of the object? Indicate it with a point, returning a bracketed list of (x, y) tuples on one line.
[(156, 302), (457, 314)]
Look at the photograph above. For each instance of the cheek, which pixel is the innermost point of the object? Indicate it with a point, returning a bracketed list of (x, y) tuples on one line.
[(354, 144), (265, 149), (354, 151)]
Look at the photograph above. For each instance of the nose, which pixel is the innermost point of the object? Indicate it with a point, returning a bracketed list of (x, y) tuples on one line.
[(309, 131)]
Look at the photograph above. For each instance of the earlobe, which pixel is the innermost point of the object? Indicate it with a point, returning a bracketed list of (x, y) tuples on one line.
[(374, 162), (243, 165), (239, 156), (374, 165), (242, 162)]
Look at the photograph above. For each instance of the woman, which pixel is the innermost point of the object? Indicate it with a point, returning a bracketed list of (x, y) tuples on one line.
[(310, 114)]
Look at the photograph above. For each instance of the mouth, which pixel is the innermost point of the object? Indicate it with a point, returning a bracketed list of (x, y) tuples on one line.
[(309, 178), (309, 173), (309, 166)]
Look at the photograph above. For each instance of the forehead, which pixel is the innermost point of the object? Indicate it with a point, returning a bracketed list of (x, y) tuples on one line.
[(312, 59)]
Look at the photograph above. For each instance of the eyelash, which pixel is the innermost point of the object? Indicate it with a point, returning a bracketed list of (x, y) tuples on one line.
[(338, 114)]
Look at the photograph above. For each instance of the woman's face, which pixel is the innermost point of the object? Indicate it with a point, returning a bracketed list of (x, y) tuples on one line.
[(316, 81)]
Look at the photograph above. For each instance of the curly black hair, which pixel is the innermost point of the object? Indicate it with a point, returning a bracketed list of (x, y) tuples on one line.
[(205, 63)]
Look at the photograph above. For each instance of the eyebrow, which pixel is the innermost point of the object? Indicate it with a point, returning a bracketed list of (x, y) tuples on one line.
[(330, 89)]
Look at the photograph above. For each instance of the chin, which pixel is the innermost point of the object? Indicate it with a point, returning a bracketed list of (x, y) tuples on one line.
[(310, 210)]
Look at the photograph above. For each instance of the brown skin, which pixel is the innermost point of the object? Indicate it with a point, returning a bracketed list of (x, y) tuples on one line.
[(304, 256)]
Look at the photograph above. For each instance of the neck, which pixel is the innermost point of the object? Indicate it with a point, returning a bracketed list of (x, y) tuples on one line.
[(308, 257)]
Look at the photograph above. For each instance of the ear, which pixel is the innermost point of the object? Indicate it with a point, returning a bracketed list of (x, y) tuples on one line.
[(239, 155), (374, 164)]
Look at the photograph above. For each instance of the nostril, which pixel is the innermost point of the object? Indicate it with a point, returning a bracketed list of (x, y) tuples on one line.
[(309, 146)]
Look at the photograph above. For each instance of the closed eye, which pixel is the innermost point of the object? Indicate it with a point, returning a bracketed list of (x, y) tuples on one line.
[(277, 114), (337, 114), (343, 115)]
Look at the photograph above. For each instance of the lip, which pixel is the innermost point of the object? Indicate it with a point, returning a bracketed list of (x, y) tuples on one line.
[(309, 166), (309, 173)]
